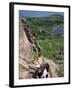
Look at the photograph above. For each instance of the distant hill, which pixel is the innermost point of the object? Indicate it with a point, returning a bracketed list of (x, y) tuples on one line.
[(51, 25), (56, 17), (50, 20), (59, 29)]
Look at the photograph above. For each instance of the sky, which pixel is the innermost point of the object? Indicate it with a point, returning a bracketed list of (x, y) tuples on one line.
[(37, 13)]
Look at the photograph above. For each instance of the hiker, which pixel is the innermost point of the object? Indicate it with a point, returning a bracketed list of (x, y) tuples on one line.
[(42, 71)]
